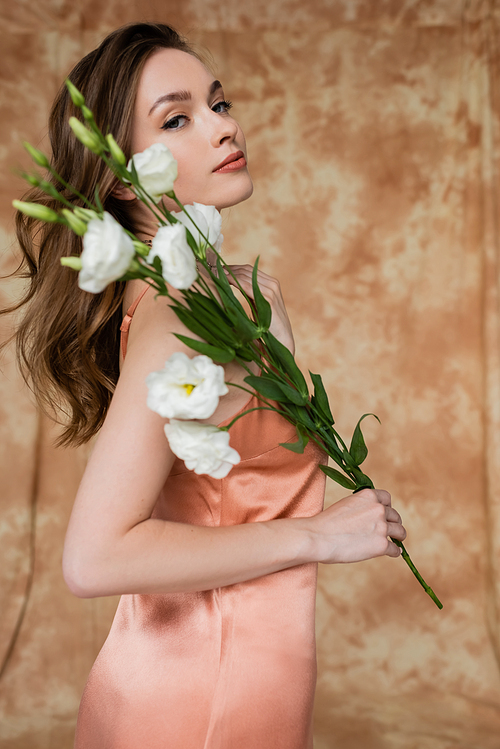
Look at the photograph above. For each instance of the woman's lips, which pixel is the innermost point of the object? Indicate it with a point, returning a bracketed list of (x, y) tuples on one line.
[(232, 166)]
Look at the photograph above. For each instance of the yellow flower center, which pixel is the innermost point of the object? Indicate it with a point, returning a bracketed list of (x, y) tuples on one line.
[(188, 388)]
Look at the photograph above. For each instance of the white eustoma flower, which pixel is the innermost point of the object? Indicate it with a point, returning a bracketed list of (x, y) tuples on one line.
[(186, 388), (203, 447), (107, 254), (209, 222), (156, 169), (178, 262)]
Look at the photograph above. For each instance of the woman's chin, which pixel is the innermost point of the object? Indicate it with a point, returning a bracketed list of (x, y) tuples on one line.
[(238, 196), (231, 195)]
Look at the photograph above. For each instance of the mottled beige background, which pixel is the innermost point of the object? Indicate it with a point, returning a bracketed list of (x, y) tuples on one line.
[(373, 132)]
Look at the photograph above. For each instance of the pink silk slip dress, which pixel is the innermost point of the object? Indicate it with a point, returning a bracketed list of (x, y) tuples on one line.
[(229, 668)]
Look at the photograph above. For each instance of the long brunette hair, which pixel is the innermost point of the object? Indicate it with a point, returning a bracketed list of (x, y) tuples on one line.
[(68, 340)]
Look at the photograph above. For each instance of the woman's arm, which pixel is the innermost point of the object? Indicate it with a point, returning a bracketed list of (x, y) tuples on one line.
[(113, 546)]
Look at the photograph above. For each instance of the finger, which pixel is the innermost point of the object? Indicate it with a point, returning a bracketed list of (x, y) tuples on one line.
[(393, 550), (375, 495), (392, 515), (265, 283), (246, 271), (249, 268), (396, 530), (238, 278), (383, 497), (269, 287), (241, 281)]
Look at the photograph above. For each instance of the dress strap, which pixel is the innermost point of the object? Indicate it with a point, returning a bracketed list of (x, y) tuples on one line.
[(124, 328)]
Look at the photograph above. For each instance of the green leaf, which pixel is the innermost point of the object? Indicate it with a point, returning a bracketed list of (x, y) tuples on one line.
[(285, 358), (301, 414), (133, 173), (348, 459), (358, 449), (205, 302), (362, 480), (186, 317), (192, 243), (340, 478), (320, 398), (300, 445), (217, 354), (245, 328), (279, 391), (157, 265), (264, 312), (331, 445), (266, 387), (225, 287), (292, 395), (245, 354), (211, 316), (97, 199)]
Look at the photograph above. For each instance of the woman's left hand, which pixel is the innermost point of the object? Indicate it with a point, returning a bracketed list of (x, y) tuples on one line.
[(271, 290)]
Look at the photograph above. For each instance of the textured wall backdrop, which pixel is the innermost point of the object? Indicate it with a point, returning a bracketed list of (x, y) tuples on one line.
[(373, 140)]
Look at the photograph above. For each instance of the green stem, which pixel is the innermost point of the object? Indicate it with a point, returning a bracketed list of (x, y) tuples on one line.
[(257, 408), (217, 254), (335, 457), (417, 574), (72, 189), (204, 285), (240, 387), (139, 191)]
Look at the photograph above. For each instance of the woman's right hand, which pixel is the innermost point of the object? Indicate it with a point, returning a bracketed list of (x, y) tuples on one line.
[(357, 527)]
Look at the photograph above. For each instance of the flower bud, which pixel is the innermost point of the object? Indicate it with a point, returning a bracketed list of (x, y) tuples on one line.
[(115, 150), (36, 210), (37, 156), (33, 180), (85, 136), (75, 224), (87, 113), (49, 189), (141, 248), (76, 97), (136, 267), (86, 214), (72, 262)]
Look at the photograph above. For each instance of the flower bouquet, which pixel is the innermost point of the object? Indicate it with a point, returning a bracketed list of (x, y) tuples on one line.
[(187, 389)]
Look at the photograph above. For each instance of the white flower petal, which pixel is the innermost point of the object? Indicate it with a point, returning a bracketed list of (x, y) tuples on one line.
[(203, 447), (156, 169), (177, 259), (107, 254), (186, 388), (208, 220)]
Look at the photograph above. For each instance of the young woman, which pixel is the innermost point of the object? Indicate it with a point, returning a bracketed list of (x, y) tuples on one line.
[(212, 646)]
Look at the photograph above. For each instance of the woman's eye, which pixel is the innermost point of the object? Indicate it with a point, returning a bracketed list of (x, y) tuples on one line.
[(225, 104), (173, 123)]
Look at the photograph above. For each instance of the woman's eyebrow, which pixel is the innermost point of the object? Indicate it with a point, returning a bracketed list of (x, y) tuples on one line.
[(181, 96)]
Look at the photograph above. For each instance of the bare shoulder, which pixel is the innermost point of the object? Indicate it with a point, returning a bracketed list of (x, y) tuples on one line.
[(151, 338)]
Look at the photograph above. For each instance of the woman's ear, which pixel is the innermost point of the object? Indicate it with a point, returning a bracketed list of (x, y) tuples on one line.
[(121, 192)]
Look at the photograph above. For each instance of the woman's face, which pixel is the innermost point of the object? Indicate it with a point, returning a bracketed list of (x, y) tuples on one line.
[(179, 104)]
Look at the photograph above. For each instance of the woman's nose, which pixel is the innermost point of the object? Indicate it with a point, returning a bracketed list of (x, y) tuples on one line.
[(224, 128)]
